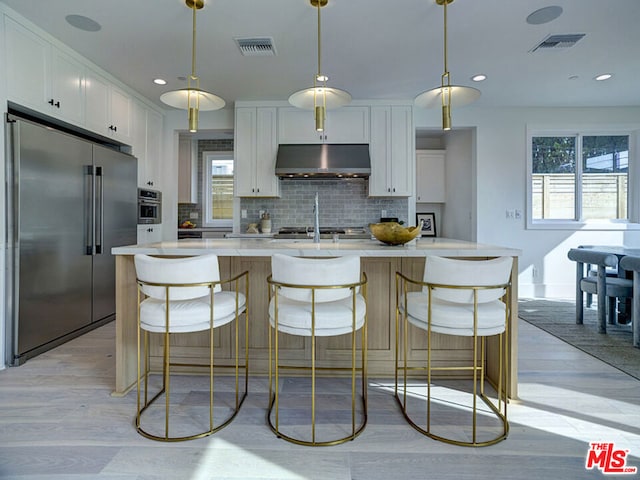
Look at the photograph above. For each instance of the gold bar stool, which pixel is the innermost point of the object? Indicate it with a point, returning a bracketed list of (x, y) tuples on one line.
[(316, 298), (464, 298), (183, 295)]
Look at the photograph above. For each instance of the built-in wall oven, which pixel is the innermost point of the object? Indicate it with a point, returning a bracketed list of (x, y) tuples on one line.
[(149, 206)]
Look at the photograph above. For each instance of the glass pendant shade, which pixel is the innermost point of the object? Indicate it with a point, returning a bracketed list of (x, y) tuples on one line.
[(460, 96), (334, 98)]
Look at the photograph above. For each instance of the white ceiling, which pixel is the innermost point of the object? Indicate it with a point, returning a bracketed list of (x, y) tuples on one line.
[(372, 48)]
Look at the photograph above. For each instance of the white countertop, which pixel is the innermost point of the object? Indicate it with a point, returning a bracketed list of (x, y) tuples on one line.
[(265, 247)]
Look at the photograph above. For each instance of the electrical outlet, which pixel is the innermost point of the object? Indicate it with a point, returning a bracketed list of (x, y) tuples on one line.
[(383, 213), (509, 214), (194, 215), (260, 213), (518, 214), (243, 213), (534, 272)]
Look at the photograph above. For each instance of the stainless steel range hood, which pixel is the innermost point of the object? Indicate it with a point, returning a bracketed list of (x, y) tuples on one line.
[(323, 161)]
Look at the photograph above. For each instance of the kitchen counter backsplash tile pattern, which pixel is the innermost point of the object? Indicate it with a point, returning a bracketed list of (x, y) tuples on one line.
[(342, 203)]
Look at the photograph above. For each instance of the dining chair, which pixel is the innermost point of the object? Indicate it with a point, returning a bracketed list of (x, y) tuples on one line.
[(603, 286), (462, 298), (631, 263), (181, 296), (316, 298)]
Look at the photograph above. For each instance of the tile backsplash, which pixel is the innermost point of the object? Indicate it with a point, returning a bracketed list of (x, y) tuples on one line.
[(342, 202)]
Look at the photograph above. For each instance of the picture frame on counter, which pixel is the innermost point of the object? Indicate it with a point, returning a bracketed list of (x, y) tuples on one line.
[(428, 220)]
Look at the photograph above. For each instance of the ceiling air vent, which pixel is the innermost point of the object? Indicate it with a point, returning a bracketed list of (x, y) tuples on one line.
[(558, 42), (256, 47)]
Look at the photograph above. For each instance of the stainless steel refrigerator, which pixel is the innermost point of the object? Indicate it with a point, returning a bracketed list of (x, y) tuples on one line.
[(69, 202)]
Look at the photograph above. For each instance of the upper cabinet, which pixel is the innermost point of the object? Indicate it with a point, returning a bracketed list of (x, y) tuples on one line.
[(255, 151), (430, 176), (42, 77), (392, 151), (108, 109), (147, 145), (348, 124)]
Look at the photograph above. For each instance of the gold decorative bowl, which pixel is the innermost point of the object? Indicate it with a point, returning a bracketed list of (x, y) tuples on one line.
[(392, 233)]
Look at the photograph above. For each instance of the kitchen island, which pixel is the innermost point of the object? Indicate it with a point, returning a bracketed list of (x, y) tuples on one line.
[(379, 262)]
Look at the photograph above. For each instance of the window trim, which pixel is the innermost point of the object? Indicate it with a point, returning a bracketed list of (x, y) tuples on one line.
[(207, 156), (632, 223)]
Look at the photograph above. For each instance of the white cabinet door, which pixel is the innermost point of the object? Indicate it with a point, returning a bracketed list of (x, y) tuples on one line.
[(41, 77), (108, 110), (391, 148), (96, 105), (139, 141), (255, 150), (343, 125), (430, 176), (67, 87), (146, 140), (120, 114), (153, 166), (28, 67), (244, 147), (267, 184), (149, 234)]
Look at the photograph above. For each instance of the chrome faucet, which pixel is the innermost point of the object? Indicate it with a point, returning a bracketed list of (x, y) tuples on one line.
[(316, 221)]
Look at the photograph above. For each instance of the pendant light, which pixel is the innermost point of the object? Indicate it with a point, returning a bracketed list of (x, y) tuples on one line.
[(192, 98), (319, 98), (447, 95)]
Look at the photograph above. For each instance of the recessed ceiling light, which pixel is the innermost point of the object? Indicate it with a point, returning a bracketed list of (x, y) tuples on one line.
[(83, 23), (159, 81), (544, 15), (604, 76), (479, 77)]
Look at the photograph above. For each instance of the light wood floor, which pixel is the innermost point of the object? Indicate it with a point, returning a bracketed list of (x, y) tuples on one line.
[(59, 421)]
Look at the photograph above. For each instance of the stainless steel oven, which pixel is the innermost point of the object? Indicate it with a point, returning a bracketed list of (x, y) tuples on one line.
[(149, 206)]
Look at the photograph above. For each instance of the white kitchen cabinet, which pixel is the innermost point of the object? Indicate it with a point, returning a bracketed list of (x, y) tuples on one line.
[(42, 77), (147, 145), (255, 150), (430, 176), (149, 233), (391, 149), (108, 109), (348, 124)]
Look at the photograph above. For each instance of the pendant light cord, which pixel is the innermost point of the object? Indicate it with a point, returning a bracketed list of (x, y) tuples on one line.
[(319, 41), (193, 44)]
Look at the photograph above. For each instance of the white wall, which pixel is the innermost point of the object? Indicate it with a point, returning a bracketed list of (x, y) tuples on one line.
[(500, 163), (458, 216), (175, 122)]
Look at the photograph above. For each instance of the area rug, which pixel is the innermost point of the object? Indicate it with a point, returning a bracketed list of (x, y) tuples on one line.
[(558, 317)]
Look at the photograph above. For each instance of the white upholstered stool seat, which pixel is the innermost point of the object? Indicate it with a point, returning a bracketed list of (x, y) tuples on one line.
[(316, 298), (185, 295), (332, 318), (190, 315), (465, 298), (453, 318)]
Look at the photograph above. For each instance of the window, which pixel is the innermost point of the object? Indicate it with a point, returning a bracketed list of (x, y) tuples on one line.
[(218, 188), (580, 179)]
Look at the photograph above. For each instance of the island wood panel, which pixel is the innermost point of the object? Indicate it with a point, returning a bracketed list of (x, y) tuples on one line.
[(380, 273), (291, 347)]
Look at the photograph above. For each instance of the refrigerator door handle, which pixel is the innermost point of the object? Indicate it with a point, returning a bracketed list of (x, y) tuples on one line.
[(99, 239), (88, 216)]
